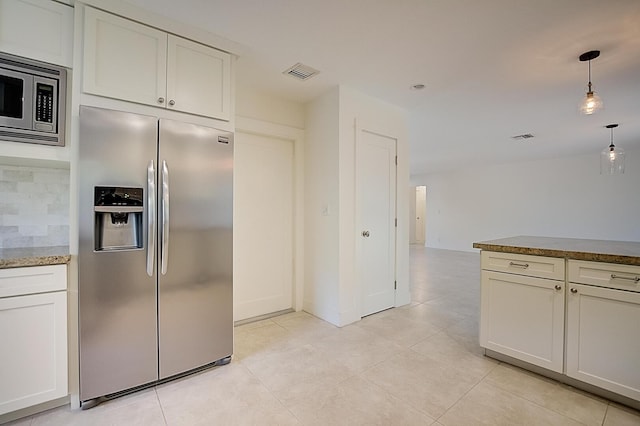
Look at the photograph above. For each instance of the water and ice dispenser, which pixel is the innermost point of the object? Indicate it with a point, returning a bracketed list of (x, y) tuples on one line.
[(118, 218)]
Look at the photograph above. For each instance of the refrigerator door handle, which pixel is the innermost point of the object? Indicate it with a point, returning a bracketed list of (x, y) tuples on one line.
[(151, 216), (164, 252)]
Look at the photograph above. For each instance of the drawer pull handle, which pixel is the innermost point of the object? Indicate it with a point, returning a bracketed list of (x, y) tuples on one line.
[(519, 265), (574, 290), (618, 277), (558, 287)]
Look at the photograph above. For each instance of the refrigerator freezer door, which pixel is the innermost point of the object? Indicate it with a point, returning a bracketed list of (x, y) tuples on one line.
[(195, 305), (118, 328)]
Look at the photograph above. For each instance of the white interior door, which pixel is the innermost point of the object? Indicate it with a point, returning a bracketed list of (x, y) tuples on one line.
[(263, 225), (376, 216), (421, 210)]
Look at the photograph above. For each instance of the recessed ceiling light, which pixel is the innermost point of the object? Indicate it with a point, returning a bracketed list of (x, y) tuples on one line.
[(418, 86)]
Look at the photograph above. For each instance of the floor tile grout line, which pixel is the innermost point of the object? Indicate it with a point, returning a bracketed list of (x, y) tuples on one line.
[(606, 411), (164, 416), (401, 401), (562, 386), (533, 402), (270, 391), (469, 390)]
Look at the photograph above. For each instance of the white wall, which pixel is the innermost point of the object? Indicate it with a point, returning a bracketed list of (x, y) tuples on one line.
[(562, 197), (251, 103), (321, 296), (331, 290)]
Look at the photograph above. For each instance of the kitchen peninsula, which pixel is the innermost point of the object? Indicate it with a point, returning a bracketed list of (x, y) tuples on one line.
[(566, 308)]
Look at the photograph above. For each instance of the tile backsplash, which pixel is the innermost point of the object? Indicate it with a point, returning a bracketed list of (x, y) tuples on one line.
[(34, 206)]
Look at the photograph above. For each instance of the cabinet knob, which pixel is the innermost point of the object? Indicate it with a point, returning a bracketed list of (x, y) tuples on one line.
[(365, 234), (558, 287), (161, 100), (574, 290), (172, 102)]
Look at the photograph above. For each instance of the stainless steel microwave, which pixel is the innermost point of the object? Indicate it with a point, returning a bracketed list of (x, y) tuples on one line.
[(32, 101)]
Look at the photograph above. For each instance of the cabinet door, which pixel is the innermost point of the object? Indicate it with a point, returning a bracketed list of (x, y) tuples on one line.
[(602, 338), (523, 317), (33, 353), (198, 79), (124, 59), (40, 30)]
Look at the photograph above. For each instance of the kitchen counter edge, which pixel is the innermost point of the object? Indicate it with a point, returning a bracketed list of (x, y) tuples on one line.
[(33, 256), (620, 252)]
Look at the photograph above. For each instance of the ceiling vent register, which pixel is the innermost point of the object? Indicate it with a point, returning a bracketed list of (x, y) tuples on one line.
[(301, 71)]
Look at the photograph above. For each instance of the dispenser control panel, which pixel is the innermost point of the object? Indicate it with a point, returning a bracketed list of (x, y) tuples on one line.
[(117, 196)]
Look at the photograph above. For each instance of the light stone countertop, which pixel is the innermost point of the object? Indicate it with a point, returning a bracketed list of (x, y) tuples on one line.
[(33, 256), (622, 252)]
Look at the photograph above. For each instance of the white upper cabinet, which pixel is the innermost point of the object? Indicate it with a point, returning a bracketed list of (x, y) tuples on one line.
[(133, 62), (198, 79), (123, 59), (37, 29)]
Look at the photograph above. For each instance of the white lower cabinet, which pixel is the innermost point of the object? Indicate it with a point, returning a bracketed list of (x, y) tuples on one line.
[(593, 338), (33, 336), (603, 347), (523, 317)]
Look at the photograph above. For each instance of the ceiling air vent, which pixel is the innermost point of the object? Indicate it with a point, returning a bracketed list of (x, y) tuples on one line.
[(301, 71), (522, 136)]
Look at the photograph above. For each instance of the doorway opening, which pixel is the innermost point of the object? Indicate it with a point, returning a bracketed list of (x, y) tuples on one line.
[(418, 212)]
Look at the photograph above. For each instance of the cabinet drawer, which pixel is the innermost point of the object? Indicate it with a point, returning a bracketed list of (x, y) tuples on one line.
[(533, 266), (612, 275), (34, 279)]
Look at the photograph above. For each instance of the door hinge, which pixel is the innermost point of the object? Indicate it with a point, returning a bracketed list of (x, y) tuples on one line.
[(396, 222), (396, 160), (395, 285)]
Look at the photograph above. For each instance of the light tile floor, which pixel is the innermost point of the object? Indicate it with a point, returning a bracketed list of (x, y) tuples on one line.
[(415, 365)]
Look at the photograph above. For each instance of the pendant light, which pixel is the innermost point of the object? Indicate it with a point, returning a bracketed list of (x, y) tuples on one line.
[(612, 158), (591, 102)]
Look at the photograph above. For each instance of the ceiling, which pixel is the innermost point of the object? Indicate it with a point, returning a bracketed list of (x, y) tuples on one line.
[(492, 68)]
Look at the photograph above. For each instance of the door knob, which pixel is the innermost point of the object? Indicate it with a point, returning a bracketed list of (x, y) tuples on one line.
[(365, 233)]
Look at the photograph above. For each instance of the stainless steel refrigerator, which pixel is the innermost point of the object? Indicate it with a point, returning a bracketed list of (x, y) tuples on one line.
[(155, 277)]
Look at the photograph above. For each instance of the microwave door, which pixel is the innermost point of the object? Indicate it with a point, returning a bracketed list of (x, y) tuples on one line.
[(16, 99)]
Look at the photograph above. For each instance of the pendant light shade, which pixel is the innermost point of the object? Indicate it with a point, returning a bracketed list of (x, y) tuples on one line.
[(612, 157), (591, 102)]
